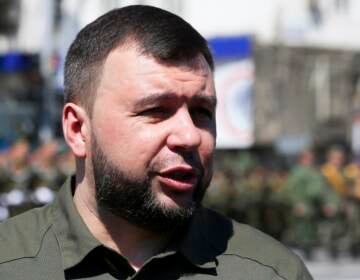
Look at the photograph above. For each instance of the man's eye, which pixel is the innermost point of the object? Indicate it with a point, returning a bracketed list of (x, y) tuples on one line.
[(155, 112)]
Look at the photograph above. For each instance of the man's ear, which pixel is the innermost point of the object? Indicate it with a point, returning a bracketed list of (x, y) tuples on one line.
[(75, 128)]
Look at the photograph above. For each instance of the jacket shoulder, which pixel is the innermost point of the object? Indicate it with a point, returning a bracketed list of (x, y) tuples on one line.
[(21, 236), (254, 244), (247, 243)]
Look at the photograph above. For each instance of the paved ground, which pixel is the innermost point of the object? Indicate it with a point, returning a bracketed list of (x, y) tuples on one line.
[(324, 268)]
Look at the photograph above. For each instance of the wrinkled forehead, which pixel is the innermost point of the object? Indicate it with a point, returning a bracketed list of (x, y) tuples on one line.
[(134, 75), (196, 61)]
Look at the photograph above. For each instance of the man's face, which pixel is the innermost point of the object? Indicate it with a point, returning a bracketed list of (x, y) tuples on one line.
[(153, 137)]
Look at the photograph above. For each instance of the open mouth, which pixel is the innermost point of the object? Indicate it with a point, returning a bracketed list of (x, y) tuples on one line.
[(180, 176), (181, 179)]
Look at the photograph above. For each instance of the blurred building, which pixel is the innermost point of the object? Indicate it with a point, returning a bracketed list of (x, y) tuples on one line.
[(287, 71)]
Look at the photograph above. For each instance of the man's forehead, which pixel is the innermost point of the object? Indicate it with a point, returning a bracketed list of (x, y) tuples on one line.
[(128, 69), (196, 62)]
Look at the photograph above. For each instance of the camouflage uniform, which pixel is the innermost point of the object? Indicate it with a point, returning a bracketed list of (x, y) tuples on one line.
[(334, 228), (352, 209), (305, 190)]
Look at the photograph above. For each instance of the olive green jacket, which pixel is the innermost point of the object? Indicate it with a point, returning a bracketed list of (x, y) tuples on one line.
[(53, 242)]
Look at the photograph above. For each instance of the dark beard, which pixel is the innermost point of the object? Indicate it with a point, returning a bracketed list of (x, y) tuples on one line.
[(133, 199)]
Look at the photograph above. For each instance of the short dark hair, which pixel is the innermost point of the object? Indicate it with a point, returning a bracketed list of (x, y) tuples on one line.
[(164, 36)]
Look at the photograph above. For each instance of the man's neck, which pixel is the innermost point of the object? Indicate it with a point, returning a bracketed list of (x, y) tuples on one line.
[(134, 243)]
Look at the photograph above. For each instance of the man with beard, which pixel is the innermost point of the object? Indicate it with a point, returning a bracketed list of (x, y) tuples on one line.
[(139, 116)]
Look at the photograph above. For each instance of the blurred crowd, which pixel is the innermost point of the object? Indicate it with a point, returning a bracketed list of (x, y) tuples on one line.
[(29, 177), (307, 205)]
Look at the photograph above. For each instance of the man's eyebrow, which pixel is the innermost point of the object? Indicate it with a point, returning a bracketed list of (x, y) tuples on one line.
[(157, 98), (154, 98), (205, 99)]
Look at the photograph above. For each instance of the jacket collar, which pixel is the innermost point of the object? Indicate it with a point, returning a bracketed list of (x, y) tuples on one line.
[(206, 238), (203, 240), (74, 237)]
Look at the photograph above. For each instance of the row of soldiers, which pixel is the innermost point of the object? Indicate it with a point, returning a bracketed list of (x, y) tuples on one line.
[(30, 177), (307, 206)]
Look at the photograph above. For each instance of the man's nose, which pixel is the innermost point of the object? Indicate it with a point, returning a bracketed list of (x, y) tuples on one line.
[(184, 134)]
